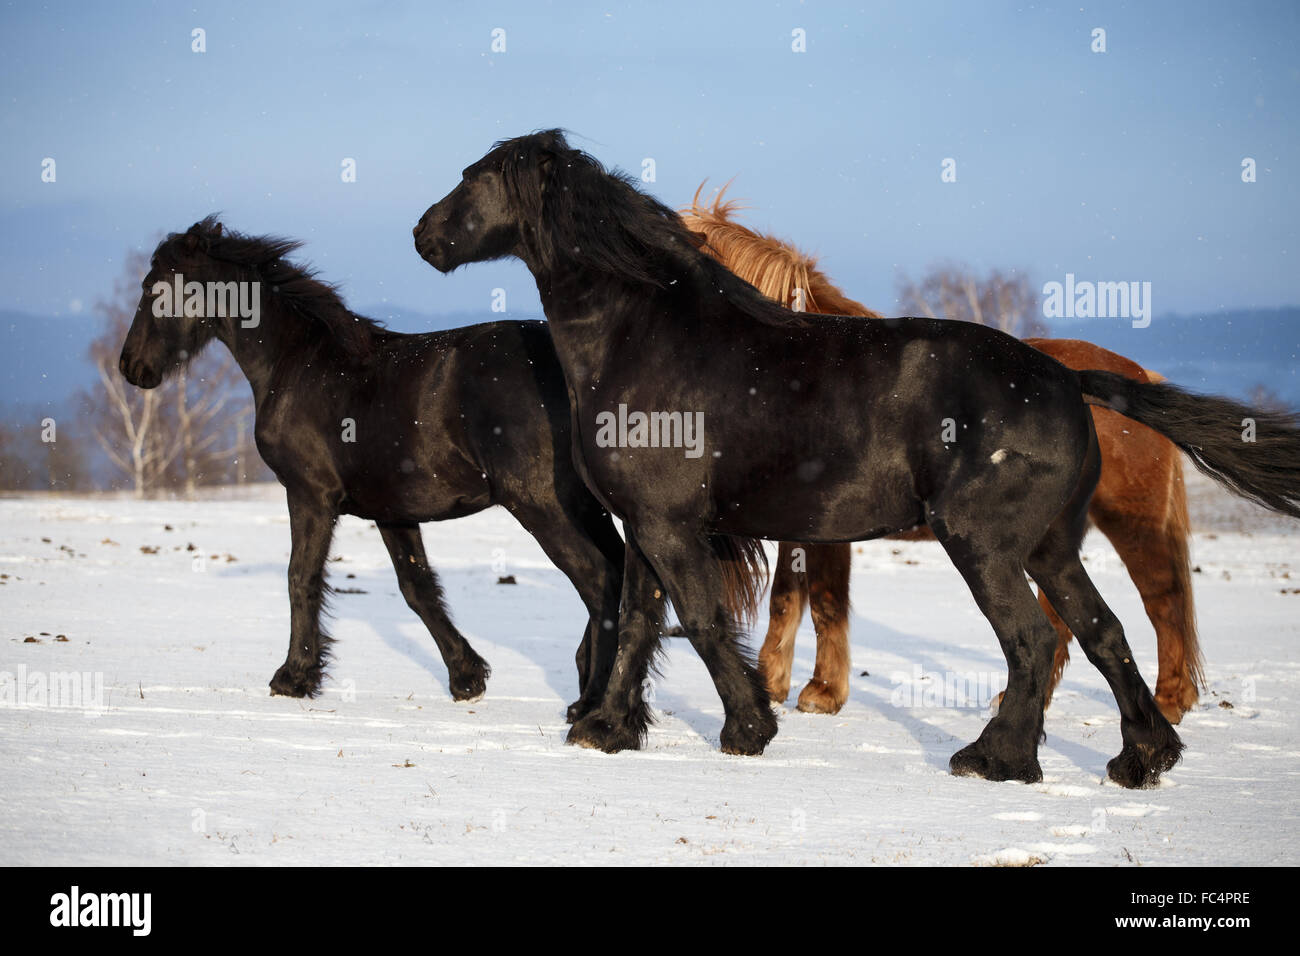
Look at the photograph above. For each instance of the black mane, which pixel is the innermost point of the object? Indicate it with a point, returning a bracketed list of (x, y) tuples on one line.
[(600, 217), (262, 258)]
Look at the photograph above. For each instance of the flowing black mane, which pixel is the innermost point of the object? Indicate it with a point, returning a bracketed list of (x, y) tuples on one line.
[(601, 218), (262, 258)]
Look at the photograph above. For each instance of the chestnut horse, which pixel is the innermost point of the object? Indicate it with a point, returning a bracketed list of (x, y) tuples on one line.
[(1140, 503)]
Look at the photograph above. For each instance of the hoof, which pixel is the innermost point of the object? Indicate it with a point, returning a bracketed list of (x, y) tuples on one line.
[(469, 682), (293, 682), (973, 761), (819, 698), (595, 732), (1137, 770), (579, 709), (1176, 702), (748, 736)]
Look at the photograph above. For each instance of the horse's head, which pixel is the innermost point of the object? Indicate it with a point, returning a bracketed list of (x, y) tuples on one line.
[(170, 329), (487, 215), (555, 207)]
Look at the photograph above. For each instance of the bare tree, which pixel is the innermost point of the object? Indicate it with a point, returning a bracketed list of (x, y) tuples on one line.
[(39, 453), (201, 420), (1005, 300), (15, 472), (127, 421), (60, 456)]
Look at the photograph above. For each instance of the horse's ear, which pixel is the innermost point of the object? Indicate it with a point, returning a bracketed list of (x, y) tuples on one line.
[(192, 236), (217, 231), (549, 146), (553, 139)]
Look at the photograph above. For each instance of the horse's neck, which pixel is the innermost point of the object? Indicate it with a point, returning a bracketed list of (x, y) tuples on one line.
[(585, 321), (260, 349)]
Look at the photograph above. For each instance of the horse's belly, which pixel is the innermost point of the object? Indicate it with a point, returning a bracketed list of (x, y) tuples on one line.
[(418, 494), (847, 511)]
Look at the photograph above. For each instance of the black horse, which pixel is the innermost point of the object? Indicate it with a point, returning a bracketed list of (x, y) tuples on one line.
[(833, 430), (399, 429)]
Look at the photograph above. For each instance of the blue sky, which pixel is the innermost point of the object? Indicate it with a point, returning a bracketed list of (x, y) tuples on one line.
[(1123, 165)]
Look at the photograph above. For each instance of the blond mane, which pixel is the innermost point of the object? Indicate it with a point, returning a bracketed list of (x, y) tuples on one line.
[(776, 268)]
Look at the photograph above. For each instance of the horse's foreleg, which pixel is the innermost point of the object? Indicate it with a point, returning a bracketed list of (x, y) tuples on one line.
[(694, 580), (621, 719), (828, 596), (785, 611), (467, 673), (581, 541), (312, 527)]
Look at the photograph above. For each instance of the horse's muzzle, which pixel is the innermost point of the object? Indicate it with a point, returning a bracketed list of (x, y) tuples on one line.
[(432, 252), (138, 373)]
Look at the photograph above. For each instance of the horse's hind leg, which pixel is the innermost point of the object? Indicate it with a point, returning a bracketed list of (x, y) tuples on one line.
[(1063, 637), (785, 611), (1151, 746), (988, 522), (467, 673), (620, 720), (311, 525), (1008, 747), (828, 596), (1159, 564), (1062, 656)]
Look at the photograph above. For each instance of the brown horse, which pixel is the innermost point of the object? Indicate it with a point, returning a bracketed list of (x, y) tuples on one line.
[(1140, 503)]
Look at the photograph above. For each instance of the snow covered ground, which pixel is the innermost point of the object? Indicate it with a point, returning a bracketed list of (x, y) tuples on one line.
[(182, 757)]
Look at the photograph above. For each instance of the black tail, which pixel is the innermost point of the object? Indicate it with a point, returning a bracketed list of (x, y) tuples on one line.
[(744, 576), (1255, 453)]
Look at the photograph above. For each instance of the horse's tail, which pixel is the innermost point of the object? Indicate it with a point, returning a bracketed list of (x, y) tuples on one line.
[(1255, 453), (744, 576), (1177, 529)]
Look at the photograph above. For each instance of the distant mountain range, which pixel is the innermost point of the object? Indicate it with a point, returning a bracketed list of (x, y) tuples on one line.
[(1227, 353), (43, 360)]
